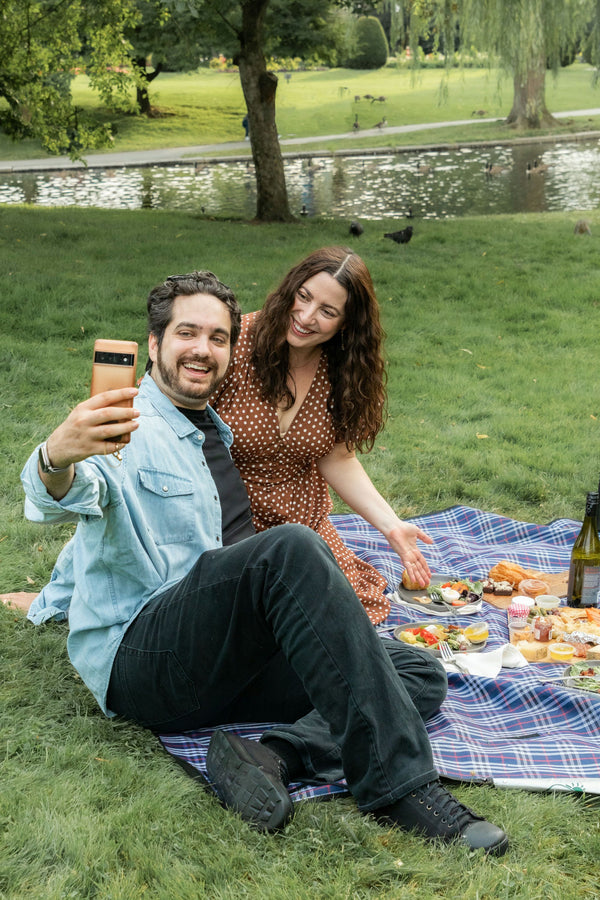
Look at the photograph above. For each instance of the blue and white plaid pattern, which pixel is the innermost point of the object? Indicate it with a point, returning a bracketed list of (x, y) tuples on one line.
[(513, 728)]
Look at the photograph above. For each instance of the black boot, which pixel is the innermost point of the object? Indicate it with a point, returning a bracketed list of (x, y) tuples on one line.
[(250, 779), (435, 813)]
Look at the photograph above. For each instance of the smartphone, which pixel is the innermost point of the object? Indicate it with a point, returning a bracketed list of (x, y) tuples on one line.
[(114, 366)]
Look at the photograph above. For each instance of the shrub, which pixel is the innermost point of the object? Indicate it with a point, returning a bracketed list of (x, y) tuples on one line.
[(220, 63), (463, 59), (370, 46), (273, 63)]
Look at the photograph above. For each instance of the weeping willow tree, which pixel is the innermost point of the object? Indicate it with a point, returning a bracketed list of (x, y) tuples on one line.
[(526, 38), (529, 38)]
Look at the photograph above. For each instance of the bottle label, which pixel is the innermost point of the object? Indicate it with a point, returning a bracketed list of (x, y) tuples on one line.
[(590, 586), (542, 629)]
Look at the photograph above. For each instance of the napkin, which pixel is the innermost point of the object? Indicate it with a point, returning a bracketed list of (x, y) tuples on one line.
[(488, 663)]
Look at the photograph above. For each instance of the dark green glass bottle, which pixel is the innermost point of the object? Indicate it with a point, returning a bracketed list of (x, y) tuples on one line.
[(584, 572)]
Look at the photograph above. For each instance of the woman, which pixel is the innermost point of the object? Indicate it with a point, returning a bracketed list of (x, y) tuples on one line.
[(304, 392)]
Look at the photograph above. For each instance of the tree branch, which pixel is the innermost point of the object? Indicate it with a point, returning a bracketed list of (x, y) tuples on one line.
[(44, 15), (224, 19)]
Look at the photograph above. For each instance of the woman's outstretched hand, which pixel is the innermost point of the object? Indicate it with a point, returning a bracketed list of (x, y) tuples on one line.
[(403, 539)]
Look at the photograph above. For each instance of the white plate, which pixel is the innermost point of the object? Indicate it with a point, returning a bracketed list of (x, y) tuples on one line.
[(579, 684), (404, 597), (472, 648)]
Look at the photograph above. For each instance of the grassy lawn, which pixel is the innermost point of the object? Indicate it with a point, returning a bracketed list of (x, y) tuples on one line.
[(493, 403), (206, 107)]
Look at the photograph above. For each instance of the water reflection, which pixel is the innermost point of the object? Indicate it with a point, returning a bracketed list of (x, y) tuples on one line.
[(366, 187)]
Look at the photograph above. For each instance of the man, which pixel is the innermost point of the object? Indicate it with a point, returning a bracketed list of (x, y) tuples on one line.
[(181, 617)]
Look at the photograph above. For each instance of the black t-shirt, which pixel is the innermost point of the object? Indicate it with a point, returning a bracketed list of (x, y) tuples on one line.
[(235, 505)]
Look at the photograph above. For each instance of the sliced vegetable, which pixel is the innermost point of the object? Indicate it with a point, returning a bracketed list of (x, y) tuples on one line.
[(590, 680), (468, 592), (430, 636)]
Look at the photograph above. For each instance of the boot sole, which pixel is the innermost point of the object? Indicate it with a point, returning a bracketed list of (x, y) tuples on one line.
[(255, 795)]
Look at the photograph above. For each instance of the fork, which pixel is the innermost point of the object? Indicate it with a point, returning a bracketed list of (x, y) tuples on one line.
[(448, 655), (566, 678)]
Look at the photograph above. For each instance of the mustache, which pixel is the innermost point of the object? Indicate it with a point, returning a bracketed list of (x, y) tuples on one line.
[(207, 361)]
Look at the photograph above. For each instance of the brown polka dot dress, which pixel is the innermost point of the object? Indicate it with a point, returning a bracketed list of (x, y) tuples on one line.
[(280, 472)]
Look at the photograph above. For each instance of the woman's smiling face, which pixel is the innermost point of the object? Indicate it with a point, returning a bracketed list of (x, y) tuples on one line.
[(318, 311)]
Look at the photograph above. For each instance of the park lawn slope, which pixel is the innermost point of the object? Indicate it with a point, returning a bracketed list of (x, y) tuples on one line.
[(493, 402), (207, 107)]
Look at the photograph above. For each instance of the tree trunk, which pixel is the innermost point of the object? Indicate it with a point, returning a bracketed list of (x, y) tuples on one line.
[(260, 87), (529, 108), (142, 97), (529, 69)]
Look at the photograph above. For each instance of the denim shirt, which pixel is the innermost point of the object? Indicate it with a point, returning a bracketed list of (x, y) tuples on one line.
[(141, 525)]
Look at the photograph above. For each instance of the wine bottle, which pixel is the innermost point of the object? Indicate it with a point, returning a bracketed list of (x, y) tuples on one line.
[(584, 571)]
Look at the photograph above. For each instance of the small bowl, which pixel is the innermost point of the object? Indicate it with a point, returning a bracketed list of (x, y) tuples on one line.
[(449, 595), (523, 599), (560, 652), (519, 608), (477, 632), (518, 630), (547, 602), (533, 587)]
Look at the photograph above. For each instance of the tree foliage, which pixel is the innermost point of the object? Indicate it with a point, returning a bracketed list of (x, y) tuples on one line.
[(174, 41), (44, 44), (165, 38), (302, 28)]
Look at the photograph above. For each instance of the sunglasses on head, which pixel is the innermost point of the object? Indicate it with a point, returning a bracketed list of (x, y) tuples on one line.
[(178, 278)]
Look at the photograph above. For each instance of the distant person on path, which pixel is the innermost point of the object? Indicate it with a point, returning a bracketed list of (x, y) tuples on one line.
[(181, 617), (246, 126), (305, 391)]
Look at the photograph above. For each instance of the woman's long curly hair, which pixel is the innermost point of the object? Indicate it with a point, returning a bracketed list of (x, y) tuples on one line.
[(354, 354)]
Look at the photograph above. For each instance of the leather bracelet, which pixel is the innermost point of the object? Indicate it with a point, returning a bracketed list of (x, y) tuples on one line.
[(45, 464)]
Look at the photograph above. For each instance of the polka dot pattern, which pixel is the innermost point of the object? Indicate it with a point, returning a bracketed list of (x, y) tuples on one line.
[(280, 472)]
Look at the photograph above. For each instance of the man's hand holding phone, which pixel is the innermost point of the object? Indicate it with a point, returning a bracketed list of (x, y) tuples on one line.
[(98, 426), (95, 426)]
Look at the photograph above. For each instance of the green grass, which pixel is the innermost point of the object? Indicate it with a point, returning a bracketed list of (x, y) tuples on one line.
[(491, 326), (206, 107)]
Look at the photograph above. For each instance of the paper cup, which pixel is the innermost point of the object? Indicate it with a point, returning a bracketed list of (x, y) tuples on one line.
[(547, 602), (518, 610)]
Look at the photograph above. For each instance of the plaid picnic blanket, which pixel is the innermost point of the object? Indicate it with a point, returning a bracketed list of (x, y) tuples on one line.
[(513, 730)]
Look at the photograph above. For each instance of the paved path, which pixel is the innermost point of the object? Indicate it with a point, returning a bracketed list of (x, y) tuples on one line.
[(187, 154)]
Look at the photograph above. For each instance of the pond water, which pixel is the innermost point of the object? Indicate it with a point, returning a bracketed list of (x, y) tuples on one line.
[(366, 187)]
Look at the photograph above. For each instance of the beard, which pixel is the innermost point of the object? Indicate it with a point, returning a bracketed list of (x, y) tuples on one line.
[(177, 386)]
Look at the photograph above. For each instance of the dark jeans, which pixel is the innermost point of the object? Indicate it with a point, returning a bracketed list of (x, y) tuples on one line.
[(269, 630)]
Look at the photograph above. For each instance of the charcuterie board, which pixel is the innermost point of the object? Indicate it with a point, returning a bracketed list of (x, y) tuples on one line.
[(576, 629), (557, 584)]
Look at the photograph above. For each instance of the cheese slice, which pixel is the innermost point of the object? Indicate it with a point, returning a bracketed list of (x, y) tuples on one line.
[(532, 650)]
